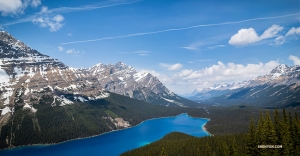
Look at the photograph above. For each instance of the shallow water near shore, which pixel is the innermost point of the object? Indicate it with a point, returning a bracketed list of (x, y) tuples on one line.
[(117, 142)]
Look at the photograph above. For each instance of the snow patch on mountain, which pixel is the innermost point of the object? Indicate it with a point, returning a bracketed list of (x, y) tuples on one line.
[(79, 98), (5, 110), (4, 78), (139, 76), (63, 100), (27, 106), (101, 96), (173, 101)]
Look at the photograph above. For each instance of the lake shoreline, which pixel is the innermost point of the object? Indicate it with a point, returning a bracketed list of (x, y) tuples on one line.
[(50, 144)]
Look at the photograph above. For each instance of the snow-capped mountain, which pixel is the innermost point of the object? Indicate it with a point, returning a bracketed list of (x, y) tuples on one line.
[(125, 80), (26, 75), (280, 87)]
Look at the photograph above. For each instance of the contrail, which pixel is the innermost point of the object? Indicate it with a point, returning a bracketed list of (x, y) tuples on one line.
[(178, 29), (63, 10), (90, 7)]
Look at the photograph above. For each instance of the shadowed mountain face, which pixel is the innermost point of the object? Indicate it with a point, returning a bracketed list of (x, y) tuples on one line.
[(279, 88)]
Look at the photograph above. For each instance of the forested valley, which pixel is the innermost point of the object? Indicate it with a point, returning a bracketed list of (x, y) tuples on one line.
[(280, 128)]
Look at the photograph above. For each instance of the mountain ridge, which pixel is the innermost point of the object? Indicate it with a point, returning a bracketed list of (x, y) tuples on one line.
[(27, 75), (283, 77)]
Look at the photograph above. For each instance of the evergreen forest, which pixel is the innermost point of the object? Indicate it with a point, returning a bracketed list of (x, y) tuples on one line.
[(279, 132)]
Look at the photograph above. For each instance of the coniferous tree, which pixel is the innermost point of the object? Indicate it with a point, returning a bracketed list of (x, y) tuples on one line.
[(233, 148), (292, 132), (163, 152), (224, 149), (251, 139), (271, 137), (277, 126), (296, 136), (207, 150), (285, 134), (260, 134)]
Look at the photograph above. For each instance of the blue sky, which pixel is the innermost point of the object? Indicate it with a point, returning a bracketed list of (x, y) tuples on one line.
[(187, 44)]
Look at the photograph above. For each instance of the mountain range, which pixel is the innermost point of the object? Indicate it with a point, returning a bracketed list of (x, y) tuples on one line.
[(27, 75), (279, 88), (42, 100)]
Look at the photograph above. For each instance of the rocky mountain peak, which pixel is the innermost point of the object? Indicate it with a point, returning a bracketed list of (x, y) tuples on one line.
[(283, 68), (10, 40)]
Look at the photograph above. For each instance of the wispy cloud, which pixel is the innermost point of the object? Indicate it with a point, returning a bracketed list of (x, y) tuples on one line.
[(178, 29), (139, 52), (248, 36), (171, 67), (194, 46), (91, 7), (216, 46), (54, 23), (295, 59), (74, 52), (205, 60), (60, 48), (14, 7)]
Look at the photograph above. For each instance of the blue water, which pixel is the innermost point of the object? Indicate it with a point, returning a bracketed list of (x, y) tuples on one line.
[(117, 142)]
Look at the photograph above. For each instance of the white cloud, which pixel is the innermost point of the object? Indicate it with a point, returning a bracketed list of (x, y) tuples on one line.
[(293, 31), (35, 3), (271, 32), (74, 52), (53, 23), (10, 7), (215, 74), (243, 37), (176, 66), (60, 48), (44, 9), (58, 18), (295, 59), (231, 71), (279, 40), (70, 34), (15, 7), (248, 36)]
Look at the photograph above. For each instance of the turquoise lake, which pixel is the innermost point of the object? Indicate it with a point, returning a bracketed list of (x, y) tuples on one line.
[(117, 142)]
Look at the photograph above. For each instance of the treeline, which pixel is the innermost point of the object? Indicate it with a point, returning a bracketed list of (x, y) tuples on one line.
[(177, 143), (277, 130), (282, 133)]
